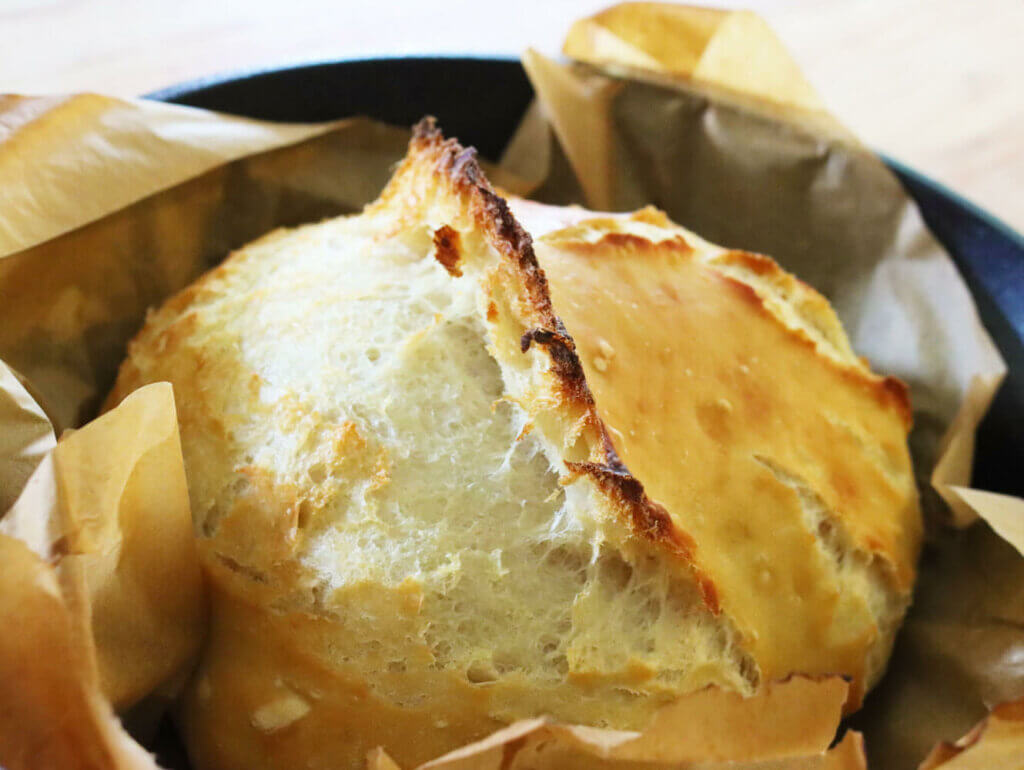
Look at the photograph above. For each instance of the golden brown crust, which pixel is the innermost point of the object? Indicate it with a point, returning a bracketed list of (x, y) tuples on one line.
[(889, 390), (716, 372), (626, 242), (613, 238), (344, 710)]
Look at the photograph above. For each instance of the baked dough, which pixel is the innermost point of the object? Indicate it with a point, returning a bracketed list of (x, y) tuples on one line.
[(425, 510)]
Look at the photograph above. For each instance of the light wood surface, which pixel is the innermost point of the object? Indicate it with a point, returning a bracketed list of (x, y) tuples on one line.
[(935, 83)]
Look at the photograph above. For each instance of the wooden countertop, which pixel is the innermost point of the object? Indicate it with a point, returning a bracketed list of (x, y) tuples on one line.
[(934, 83)]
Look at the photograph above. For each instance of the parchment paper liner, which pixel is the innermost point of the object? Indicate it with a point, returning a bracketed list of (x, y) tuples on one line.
[(100, 587), (110, 205), (998, 741), (789, 726)]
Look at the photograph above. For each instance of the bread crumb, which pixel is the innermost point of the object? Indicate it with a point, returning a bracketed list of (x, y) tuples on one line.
[(279, 713)]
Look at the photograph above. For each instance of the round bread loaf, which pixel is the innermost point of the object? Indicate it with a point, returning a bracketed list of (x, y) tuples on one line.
[(427, 507)]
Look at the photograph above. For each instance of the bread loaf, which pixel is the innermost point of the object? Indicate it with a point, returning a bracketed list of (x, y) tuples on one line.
[(427, 507)]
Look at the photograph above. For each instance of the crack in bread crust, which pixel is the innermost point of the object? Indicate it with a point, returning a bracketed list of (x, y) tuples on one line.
[(645, 517)]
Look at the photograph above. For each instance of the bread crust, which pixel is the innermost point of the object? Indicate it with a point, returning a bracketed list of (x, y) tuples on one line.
[(282, 683)]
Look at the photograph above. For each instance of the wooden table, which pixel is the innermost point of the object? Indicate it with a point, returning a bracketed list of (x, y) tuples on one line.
[(935, 83)]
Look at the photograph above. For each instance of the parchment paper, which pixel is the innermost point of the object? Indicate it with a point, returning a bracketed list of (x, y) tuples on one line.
[(26, 438), (100, 589), (998, 741), (56, 716), (108, 206), (788, 726)]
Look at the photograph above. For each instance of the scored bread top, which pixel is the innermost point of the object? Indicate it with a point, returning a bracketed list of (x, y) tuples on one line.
[(730, 390), (444, 508)]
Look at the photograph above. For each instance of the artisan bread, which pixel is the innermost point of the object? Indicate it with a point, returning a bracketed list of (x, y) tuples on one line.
[(427, 507)]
